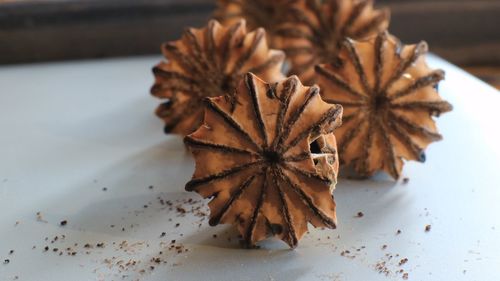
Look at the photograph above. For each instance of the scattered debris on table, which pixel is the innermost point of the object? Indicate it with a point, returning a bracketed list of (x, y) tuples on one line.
[(140, 258)]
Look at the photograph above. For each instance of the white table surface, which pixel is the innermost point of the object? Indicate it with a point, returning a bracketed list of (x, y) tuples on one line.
[(69, 129)]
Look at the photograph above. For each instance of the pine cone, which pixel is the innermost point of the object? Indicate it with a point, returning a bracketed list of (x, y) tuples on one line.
[(258, 13), (389, 97), (209, 62), (316, 29), (270, 163)]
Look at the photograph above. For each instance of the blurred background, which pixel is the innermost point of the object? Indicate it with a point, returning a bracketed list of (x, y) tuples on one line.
[(465, 32)]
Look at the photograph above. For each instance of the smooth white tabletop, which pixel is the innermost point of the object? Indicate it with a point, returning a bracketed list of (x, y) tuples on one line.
[(69, 129)]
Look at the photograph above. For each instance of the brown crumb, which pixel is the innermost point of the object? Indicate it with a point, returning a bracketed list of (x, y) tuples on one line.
[(403, 261), (63, 223), (428, 228), (39, 217), (405, 276)]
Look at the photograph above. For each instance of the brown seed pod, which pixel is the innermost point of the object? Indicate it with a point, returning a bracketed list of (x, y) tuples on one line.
[(316, 29), (389, 97), (270, 164), (209, 62), (258, 13)]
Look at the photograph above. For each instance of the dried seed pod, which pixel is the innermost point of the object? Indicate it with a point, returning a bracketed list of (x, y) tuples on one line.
[(316, 29), (270, 164), (389, 97), (209, 62), (258, 13)]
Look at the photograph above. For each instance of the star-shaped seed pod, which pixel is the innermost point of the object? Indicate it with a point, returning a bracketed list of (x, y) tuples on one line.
[(258, 13), (315, 30), (270, 164), (389, 97), (209, 62)]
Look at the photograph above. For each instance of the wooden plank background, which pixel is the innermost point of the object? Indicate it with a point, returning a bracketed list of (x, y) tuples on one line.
[(463, 31)]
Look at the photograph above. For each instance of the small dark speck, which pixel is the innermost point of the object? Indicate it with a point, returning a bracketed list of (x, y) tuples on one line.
[(7, 261), (398, 232), (11, 252), (151, 187), (46, 248), (360, 214), (422, 157), (63, 223), (214, 236), (406, 180), (104, 189), (177, 224), (163, 234), (428, 228)]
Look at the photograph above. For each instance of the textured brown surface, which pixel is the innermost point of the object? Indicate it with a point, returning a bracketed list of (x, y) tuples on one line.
[(258, 13), (389, 97), (315, 30), (209, 62), (270, 163)]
